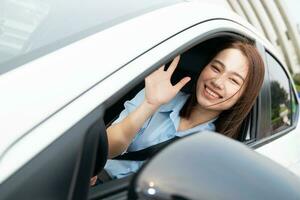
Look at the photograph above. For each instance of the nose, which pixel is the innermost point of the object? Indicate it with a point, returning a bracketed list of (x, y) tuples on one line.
[(218, 83)]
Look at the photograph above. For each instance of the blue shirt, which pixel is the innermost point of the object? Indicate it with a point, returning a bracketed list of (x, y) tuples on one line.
[(161, 126)]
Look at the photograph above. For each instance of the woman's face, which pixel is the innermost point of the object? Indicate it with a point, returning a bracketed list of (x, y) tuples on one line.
[(221, 82)]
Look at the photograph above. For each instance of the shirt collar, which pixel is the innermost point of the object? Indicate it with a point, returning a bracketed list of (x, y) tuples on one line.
[(175, 104), (209, 125), (174, 107)]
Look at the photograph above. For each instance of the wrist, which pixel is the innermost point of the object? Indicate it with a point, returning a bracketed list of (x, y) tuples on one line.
[(150, 106)]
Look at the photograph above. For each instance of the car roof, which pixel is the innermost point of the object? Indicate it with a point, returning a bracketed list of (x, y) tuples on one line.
[(39, 89)]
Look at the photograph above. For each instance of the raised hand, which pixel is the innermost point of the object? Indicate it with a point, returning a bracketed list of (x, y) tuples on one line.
[(158, 87)]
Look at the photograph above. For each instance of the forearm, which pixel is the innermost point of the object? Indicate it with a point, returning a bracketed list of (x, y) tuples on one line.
[(121, 134)]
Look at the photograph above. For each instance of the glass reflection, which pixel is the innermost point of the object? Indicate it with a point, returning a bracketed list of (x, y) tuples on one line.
[(18, 20)]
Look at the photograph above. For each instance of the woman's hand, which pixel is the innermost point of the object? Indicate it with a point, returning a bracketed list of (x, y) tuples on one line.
[(158, 87), (93, 180), (159, 90)]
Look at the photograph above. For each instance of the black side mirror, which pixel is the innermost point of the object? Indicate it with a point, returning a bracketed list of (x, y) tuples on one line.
[(211, 166)]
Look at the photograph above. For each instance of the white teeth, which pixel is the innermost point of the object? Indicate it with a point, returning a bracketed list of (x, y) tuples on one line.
[(211, 93)]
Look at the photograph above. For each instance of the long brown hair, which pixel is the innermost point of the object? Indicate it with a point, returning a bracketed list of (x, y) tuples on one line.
[(229, 121)]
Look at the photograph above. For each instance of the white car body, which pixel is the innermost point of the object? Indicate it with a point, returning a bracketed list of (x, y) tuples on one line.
[(45, 97)]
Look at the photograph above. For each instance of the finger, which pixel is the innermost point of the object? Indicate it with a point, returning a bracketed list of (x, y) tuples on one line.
[(154, 72), (174, 64), (182, 83), (162, 68)]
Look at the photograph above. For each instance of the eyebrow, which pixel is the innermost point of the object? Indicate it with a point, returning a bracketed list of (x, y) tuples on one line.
[(222, 64)]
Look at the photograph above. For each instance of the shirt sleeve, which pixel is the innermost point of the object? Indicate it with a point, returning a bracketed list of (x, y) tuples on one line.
[(130, 106)]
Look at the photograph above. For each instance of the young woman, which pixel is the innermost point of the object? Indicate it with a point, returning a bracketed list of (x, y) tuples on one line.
[(222, 97)]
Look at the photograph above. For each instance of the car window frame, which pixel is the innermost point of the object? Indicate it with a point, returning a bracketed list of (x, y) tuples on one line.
[(205, 36), (261, 139), (260, 115), (257, 121)]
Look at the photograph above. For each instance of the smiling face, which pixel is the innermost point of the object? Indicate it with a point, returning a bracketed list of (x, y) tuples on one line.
[(222, 81)]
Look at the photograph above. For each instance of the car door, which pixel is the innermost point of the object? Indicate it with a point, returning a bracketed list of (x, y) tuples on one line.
[(134, 73), (63, 169), (279, 138)]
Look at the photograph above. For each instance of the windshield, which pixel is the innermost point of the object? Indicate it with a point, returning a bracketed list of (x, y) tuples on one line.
[(35, 27)]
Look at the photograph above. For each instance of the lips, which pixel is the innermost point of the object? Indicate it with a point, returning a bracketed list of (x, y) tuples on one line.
[(211, 93)]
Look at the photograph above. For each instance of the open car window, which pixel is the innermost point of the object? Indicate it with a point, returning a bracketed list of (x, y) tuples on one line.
[(191, 63)]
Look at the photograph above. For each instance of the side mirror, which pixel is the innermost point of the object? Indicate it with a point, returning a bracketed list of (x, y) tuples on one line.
[(212, 166)]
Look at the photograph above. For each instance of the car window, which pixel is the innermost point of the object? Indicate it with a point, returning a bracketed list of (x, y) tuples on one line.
[(295, 107), (281, 105)]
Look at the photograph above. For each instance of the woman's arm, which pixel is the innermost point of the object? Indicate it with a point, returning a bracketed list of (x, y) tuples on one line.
[(121, 134), (158, 91)]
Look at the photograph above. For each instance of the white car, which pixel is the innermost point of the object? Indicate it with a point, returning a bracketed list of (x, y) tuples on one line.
[(68, 66)]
